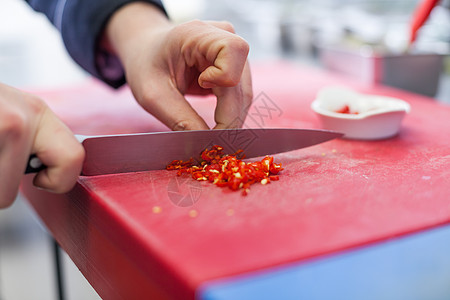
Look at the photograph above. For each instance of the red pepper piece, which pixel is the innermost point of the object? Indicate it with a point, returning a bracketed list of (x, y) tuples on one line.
[(346, 110), (228, 170)]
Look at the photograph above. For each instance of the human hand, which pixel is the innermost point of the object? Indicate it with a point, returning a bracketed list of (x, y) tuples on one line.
[(28, 126), (163, 62)]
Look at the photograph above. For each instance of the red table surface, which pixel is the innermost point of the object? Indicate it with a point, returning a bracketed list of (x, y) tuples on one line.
[(330, 197)]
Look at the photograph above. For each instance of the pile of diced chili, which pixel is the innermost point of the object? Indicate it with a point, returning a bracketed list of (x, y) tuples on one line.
[(228, 170)]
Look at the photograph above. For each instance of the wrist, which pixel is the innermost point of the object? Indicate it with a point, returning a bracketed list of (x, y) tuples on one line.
[(128, 23)]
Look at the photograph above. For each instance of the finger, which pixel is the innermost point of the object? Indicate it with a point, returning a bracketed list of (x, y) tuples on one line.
[(60, 151), (227, 56), (224, 25), (15, 144), (233, 103), (163, 100), (11, 175)]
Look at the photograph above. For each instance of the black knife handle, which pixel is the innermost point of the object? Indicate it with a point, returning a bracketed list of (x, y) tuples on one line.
[(34, 165)]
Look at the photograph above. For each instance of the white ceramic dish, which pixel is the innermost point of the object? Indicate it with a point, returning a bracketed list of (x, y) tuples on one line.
[(369, 117)]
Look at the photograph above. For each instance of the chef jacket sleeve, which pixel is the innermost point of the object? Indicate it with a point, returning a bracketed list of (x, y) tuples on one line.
[(81, 23)]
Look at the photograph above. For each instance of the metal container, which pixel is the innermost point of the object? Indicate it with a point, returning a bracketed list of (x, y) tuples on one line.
[(415, 72)]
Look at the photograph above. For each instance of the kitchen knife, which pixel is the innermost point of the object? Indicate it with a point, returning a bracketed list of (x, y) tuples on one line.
[(109, 154)]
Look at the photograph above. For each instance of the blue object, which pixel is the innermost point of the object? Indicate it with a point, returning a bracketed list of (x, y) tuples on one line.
[(413, 267)]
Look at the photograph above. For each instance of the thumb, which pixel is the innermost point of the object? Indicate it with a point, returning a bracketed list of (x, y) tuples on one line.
[(60, 151)]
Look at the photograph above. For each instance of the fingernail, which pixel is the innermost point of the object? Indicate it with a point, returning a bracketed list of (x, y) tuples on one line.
[(179, 126), (208, 85)]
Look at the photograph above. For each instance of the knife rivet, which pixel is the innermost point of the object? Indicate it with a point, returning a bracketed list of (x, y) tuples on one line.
[(35, 163)]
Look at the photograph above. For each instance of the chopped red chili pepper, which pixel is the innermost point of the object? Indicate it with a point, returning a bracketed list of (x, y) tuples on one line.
[(346, 110), (179, 164), (228, 170)]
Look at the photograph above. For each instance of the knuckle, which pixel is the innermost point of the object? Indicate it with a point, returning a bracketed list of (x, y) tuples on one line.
[(14, 123), (147, 98), (240, 46), (238, 49), (142, 92), (194, 23), (227, 26), (35, 104)]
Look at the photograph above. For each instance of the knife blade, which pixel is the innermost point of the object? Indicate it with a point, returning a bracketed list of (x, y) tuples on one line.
[(109, 154)]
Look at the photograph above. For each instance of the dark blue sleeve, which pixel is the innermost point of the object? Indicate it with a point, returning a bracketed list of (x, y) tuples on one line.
[(81, 23)]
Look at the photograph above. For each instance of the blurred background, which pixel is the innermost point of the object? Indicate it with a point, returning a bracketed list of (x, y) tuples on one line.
[(347, 36)]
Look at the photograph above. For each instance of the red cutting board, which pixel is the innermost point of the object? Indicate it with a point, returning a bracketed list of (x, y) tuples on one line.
[(150, 232)]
